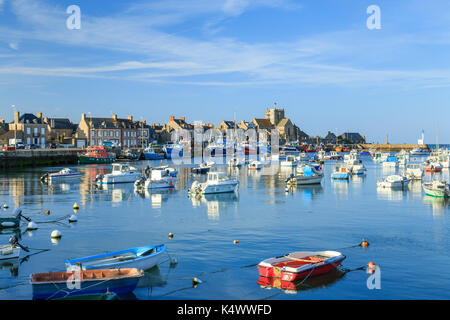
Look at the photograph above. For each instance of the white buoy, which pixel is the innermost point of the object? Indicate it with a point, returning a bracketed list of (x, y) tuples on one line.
[(56, 234), (73, 218), (5, 206), (32, 226)]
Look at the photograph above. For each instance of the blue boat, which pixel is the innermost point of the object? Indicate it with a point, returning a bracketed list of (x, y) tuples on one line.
[(141, 257), (340, 173), (173, 149), (56, 285), (151, 154)]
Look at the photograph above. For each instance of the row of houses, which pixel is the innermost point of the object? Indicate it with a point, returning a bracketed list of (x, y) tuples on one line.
[(129, 133)]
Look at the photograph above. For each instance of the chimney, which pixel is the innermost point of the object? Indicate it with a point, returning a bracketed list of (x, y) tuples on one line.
[(114, 117), (52, 123), (130, 118), (16, 116), (46, 120), (83, 117), (39, 115), (172, 118), (182, 118)]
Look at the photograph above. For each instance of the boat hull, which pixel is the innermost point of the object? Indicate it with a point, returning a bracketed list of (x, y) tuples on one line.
[(113, 178), (9, 222), (94, 160), (153, 156), (7, 253)]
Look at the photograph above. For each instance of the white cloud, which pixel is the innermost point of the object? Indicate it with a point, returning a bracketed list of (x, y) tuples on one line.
[(14, 45)]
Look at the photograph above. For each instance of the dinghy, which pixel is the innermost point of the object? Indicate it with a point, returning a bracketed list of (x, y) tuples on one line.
[(141, 257), (13, 221), (300, 265), (54, 285)]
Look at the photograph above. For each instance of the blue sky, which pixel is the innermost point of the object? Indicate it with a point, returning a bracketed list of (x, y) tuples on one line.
[(208, 60)]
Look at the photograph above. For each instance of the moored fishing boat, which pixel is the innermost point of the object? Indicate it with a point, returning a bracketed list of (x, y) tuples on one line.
[(394, 182), (217, 182), (305, 175), (255, 165), (391, 162), (203, 167), (334, 155), (440, 189), (419, 152), (290, 162), (432, 166), (62, 175), (151, 154), (121, 173), (340, 172), (140, 257), (53, 285), (414, 171), (300, 265), (95, 155), (157, 179)]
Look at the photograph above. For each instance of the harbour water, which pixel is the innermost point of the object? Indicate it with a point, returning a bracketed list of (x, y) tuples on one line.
[(408, 233)]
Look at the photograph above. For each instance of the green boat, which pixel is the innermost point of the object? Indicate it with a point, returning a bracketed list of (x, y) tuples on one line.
[(96, 155), (439, 189)]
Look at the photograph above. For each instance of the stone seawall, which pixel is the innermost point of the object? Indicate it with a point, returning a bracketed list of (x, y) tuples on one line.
[(38, 157)]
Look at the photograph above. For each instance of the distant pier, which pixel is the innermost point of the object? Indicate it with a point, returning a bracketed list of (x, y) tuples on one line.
[(392, 147), (38, 157)]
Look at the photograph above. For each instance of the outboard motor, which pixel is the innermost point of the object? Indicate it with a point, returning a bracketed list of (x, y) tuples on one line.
[(98, 178), (147, 171), (14, 242), (44, 177), (18, 215), (140, 182)]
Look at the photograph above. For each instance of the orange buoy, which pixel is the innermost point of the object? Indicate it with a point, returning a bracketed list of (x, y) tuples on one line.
[(236, 241), (47, 212), (364, 243), (371, 267)]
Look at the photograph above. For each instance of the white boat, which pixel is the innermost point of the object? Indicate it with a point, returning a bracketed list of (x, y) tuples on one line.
[(255, 165), (333, 156), (321, 155), (432, 165), (381, 156), (414, 171), (391, 162), (403, 157), (290, 162), (419, 152), (394, 182), (217, 182), (158, 179), (305, 175), (9, 251), (121, 173), (62, 175), (354, 164), (444, 160), (440, 189), (302, 157)]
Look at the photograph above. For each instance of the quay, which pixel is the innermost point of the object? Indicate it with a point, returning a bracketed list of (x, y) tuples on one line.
[(38, 157), (386, 147)]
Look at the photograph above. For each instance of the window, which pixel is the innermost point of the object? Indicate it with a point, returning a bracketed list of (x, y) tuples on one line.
[(42, 130), (28, 130), (35, 130), (111, 133), (117, 133), (93, 133)]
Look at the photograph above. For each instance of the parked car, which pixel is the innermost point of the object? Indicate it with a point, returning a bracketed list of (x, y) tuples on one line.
[(20, 145), (52, 145), (9, 148)]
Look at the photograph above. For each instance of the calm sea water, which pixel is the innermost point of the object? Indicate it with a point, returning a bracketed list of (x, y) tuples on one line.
[(408, 233)]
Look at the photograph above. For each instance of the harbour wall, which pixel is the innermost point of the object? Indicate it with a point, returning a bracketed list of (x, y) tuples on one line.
[(38, 157)]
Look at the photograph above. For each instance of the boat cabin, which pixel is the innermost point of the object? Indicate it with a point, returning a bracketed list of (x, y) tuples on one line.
[(217, 176), (119, 167)]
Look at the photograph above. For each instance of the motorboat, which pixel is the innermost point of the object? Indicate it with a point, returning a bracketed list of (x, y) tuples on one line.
[(300, 265), (173, 150), (157, 179), (394, 182), (354, 164), (403, 157), (203, 167), (62, 175), (432, 165), (414, 171), (97, 155), (14, 220), (437, 188), (54, 285), (166, 171), (334, 155), (302, 157), (255, 165), (290, 162), (419, 152), (121, 173), (140, 257), (340, 172), (217, 182), (305, 175), (150, 154), (391, 162)]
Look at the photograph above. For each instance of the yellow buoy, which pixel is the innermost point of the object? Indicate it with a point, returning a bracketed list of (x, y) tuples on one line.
[(75, 206), (170, 235)]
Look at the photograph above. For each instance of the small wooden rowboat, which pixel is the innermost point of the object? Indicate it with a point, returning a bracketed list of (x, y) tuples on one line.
[(141, 257), (54, 285), (299, 265)]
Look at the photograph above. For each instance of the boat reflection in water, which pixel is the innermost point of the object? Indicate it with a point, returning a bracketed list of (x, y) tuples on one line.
[(390, 194), (289, 287), (440, 206), (309, 192), (152, 278), (157, 196), (340, 187), (11, 265), (119, 192), (215, 203)]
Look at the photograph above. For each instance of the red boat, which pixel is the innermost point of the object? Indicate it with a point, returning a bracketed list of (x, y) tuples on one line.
[(299, 265), (432, 166)]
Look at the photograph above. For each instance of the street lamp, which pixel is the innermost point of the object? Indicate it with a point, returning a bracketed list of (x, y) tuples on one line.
[(90, 129)]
